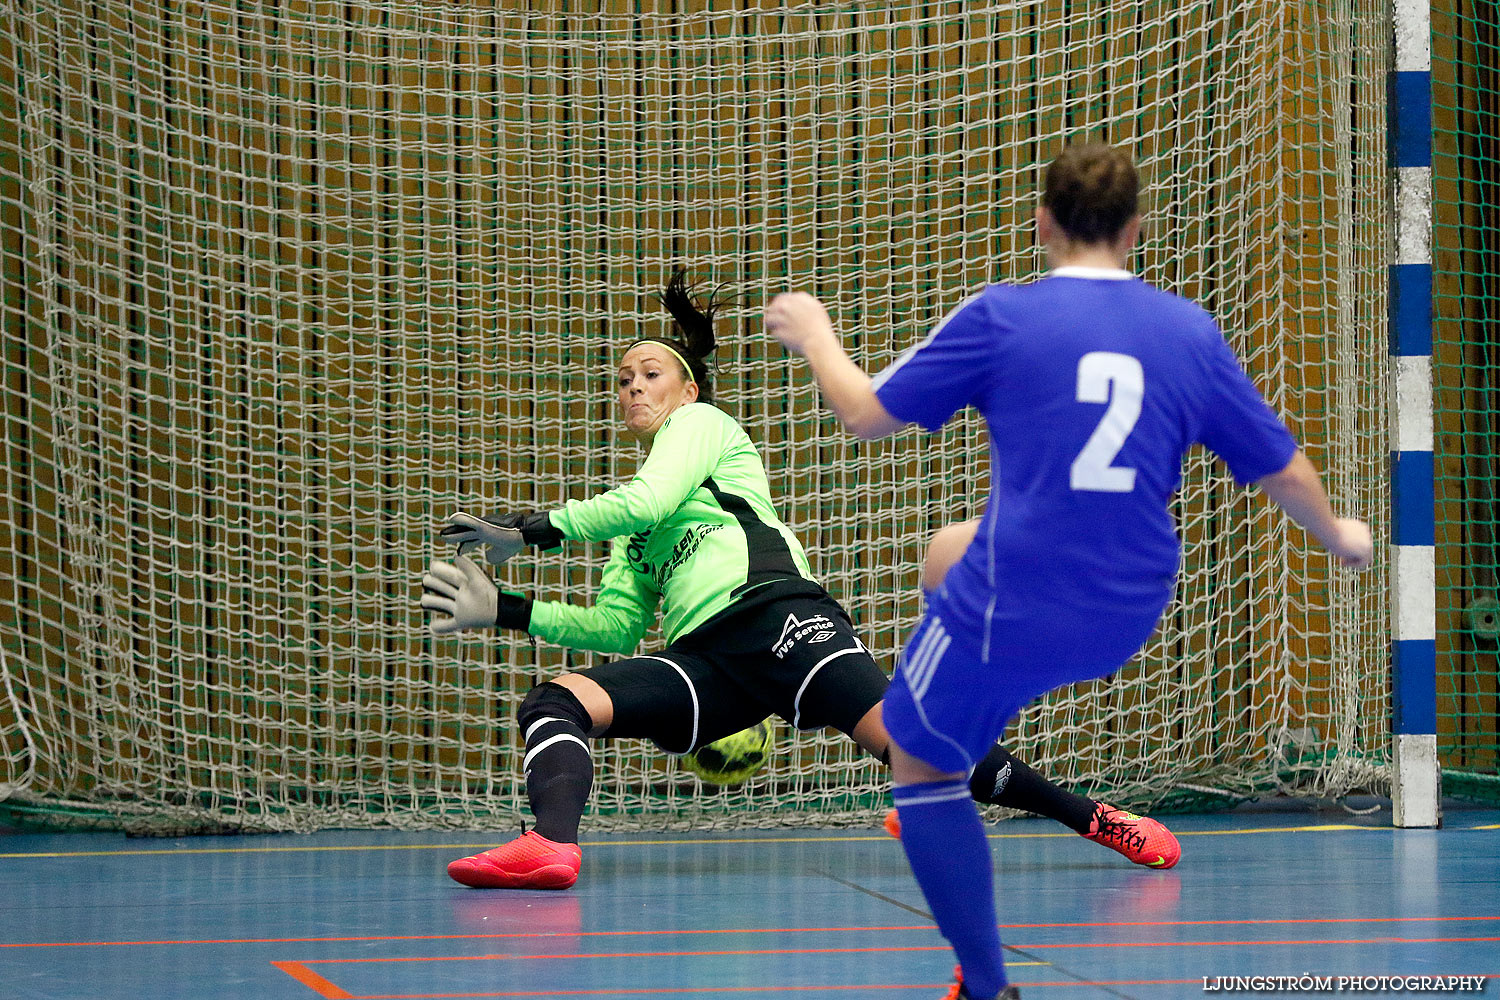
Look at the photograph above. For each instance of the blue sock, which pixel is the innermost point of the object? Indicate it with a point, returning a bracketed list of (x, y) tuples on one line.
[(944, 840)]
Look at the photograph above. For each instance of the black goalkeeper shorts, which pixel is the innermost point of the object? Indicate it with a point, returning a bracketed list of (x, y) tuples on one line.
[(795, 656)]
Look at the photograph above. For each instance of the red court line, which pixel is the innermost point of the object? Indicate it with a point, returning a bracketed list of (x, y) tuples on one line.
[(684, 990), (486, 937), (657, 991), (880, 950), (518, 935), (572, 956), (322, 986), (1243, 944), (1165, 982), (313, 981)]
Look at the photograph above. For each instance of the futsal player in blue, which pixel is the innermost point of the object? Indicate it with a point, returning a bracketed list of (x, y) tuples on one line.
[(1094, 386)]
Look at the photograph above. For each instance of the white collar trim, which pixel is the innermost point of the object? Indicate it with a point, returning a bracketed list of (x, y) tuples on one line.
[(1104, 273)]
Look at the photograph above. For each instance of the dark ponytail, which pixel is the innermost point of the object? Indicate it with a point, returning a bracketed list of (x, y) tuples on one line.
[(694, 328)]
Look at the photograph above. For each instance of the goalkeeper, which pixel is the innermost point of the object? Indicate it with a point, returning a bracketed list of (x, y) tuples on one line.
[(750, 633)]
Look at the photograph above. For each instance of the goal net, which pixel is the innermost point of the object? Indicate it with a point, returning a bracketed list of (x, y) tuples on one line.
[(287, 283)]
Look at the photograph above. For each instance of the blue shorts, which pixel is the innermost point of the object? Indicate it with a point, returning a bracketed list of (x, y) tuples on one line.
[(959, 683)]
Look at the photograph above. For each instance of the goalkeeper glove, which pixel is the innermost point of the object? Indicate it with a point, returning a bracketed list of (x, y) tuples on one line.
[(461, 591), (504, 534)]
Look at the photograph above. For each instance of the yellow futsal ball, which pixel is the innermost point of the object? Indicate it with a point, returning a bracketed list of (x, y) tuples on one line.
[(734, 758)]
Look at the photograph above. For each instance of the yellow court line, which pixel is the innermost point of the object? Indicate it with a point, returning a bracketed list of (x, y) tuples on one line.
[(317, 848)]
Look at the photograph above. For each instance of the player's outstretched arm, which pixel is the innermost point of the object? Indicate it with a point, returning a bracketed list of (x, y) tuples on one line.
[(1298, 490), (801, 324), (463, 597)]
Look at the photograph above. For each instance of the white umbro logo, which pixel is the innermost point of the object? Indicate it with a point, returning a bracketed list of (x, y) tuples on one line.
[(818, 628)]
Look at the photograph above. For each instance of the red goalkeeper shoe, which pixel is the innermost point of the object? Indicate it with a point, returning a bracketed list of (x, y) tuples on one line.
[(958, 992), (531, 861), (1140, 838)]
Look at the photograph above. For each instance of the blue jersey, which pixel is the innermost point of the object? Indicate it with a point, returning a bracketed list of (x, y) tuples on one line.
[(1094, 386)]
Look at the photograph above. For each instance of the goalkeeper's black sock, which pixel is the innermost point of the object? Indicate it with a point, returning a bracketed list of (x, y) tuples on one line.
[(1002, 780), (559, 770)]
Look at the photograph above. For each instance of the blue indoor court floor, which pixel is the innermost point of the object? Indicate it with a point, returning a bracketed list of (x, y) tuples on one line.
[(802, 913)]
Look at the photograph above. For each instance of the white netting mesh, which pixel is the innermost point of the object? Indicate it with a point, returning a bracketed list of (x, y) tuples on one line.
[(287, 283)]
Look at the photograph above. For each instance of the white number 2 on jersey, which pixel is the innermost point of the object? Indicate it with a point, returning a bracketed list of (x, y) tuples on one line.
[(1098, 371)]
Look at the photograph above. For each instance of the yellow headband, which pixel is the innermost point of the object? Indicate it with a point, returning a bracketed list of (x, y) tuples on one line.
[(668, 347)]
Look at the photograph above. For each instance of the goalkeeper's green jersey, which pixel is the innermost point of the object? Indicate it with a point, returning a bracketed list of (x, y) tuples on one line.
[(693, 531)]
